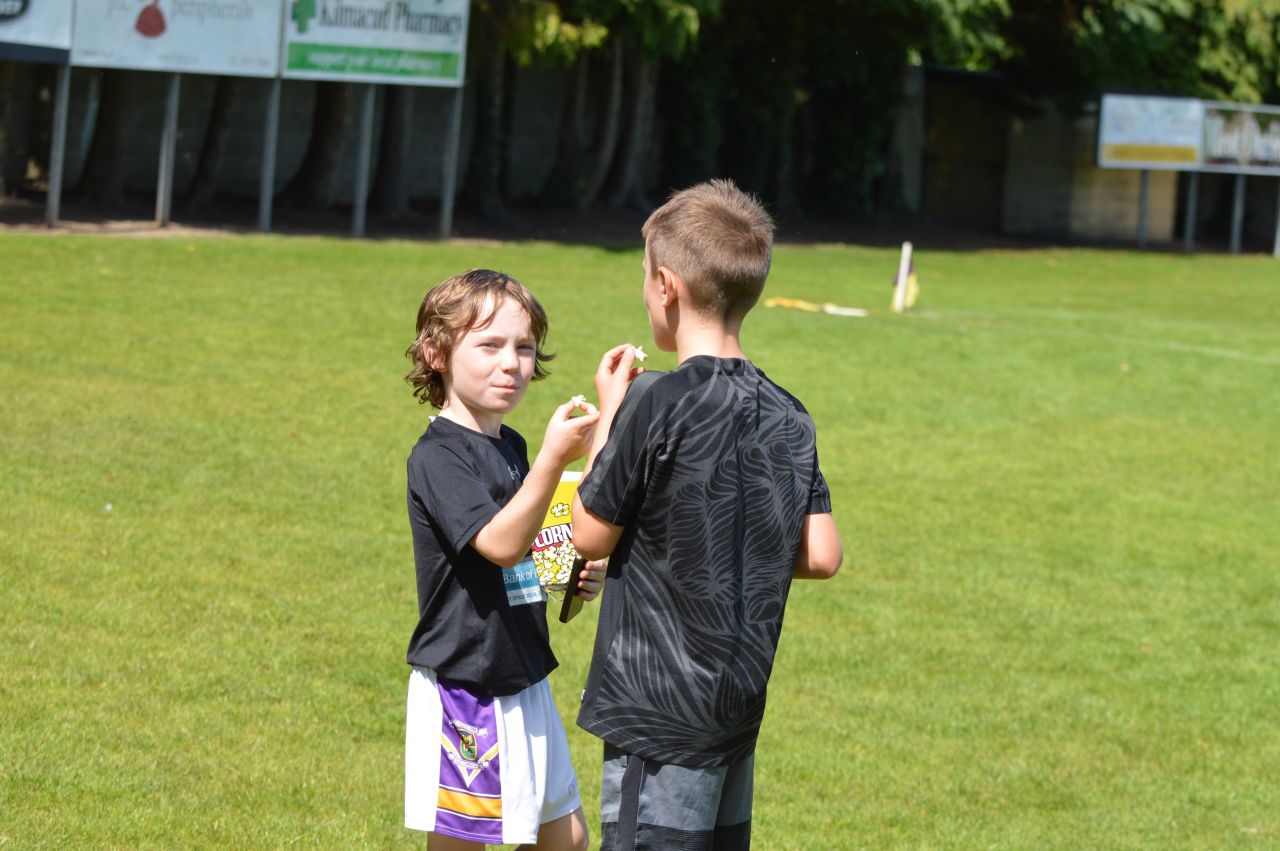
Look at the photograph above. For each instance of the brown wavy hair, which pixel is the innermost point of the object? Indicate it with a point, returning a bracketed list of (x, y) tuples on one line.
[(453, 307)]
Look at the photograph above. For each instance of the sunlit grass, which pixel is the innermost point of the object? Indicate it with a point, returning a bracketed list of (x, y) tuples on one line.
[(1057, 481)]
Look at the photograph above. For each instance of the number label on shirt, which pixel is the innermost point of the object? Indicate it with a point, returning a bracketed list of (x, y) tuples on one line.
[(522, 585)]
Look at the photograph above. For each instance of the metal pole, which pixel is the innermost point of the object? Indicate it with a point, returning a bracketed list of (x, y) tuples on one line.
[(1193, 211), (1237, 215), (363, 154), (450, 182), (168, 149), (1275, 252), (270, 136), (57, 146), (1144, 194)]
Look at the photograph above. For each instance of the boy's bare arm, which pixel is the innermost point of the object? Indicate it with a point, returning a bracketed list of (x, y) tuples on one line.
[(506, 538), (820, 551), (593, 537)]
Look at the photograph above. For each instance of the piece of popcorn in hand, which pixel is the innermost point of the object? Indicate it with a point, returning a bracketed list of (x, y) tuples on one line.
[(640, 355), (579, 399)]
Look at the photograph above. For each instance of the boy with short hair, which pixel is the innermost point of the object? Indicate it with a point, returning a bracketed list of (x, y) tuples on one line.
[(486, 757), (709, 497)]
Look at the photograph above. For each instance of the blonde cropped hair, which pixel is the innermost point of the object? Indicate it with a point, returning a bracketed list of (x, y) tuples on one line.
[(453, 307), (719, 240)]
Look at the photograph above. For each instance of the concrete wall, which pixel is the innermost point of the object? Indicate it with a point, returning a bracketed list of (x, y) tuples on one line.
[(1053, 189)]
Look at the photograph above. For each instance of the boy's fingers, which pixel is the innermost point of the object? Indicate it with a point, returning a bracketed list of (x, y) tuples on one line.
[(588, 408), (610, 359)]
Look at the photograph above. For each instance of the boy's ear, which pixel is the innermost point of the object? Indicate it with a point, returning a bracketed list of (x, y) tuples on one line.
[(669, 285)]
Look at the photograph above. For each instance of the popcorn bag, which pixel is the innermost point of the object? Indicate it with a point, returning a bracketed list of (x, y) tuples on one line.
[(553, 550)]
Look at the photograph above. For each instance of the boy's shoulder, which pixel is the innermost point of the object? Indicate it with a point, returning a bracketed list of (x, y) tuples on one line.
[(444, 436), (716, 378)]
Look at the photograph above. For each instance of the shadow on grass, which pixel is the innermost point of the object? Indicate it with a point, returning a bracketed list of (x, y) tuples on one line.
[(605, 228)]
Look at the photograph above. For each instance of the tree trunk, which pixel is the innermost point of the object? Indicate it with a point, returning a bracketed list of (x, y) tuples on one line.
[(391, 188), (627, 189), (482, 189), (334, 130), (567, 181), (607, 140), (227, 96)]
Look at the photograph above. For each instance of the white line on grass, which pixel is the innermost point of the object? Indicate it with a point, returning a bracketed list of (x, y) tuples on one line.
[(1171, 345)]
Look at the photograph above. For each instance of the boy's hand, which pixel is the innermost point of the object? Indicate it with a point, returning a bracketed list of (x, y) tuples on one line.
[(591, 580), (567, 436), (614, 374)]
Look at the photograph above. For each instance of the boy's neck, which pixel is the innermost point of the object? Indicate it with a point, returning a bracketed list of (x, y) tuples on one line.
[(716, 339), (489, 424)]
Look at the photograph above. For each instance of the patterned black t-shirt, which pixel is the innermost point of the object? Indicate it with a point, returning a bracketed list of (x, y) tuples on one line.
[(711, 478), (480, 625)]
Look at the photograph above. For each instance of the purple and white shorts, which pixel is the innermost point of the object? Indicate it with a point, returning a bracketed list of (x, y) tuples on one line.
[(485, 769)]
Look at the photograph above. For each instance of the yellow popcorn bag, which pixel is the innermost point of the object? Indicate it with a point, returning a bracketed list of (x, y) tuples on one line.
[(553, 551)]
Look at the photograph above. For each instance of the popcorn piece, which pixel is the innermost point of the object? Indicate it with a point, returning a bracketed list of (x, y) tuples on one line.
[(579, 400), (640, 355)]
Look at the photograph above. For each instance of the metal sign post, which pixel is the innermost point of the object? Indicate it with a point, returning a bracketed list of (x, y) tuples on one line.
[(1237, 215), (1144, 196), (270, 137), (1193, 211), (449, 184), (1275, 252), (168, 149), (364, 153), (57, 146)]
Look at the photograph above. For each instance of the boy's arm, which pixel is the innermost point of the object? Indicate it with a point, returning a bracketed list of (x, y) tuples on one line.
[(506, 539), (820, 552), (593, 536)]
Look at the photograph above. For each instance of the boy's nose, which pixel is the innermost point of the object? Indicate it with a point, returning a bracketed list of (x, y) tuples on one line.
[(510, 361)]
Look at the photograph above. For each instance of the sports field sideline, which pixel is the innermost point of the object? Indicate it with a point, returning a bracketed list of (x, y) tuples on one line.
[(1058, 483)]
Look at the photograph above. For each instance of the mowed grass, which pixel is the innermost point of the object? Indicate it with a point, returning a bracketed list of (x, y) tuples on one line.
[(1058, 483)]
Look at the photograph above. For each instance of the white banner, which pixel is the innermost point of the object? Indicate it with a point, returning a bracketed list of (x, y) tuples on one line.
[(237, 37), (404, 42), (1149, 132), (1184, 134), (36, 24), (1241, 139)]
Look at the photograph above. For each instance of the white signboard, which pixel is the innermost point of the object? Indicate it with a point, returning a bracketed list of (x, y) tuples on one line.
[(405, 42), (1241, 139), (237, 37), (39, 30), (1149, 132)]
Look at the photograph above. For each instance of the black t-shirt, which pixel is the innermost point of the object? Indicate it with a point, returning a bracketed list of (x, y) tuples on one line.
[(711, 478), (480, 626)]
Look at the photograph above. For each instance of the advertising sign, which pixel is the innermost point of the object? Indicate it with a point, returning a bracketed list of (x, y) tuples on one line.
[(405, 42), (1241, 139), (1149, 132), (236, 37), (35, 30)]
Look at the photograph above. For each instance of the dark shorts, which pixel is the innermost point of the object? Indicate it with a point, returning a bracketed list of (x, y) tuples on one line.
[(650, 806)]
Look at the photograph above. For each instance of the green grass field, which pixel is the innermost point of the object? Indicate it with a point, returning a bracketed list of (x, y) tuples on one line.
[(1058, 483)]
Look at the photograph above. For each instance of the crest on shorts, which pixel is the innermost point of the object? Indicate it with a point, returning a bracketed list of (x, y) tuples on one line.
[(465, 755), (467, 746)]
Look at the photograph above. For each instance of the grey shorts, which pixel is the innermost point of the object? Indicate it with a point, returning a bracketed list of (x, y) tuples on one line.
[(651, 806)]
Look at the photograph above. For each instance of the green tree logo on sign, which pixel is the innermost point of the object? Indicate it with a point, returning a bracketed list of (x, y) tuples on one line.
[(302, 12)]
